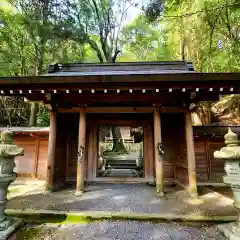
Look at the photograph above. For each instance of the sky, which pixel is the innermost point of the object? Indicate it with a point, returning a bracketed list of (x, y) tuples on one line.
[(3, 3), (132, 13)]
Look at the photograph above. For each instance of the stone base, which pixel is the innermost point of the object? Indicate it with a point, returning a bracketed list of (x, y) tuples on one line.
[(160, 194), (11, 229), (193, 194), (230, 230), (79, 193)]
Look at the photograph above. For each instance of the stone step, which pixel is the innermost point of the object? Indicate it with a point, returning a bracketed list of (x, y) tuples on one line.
[(122, 164), (120, 173)]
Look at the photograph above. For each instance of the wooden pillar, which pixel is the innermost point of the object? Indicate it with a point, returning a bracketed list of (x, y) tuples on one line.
[(51, 151), (81, 151), (158, 161), (190, 154)]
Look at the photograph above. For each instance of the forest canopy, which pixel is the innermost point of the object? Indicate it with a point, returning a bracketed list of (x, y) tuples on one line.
[(35, 33)]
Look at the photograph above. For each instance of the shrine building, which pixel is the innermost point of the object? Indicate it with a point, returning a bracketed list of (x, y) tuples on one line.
[(121, 122)]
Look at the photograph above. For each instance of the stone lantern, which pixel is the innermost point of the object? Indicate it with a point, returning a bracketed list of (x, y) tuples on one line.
[(8, 151), (231, 155)]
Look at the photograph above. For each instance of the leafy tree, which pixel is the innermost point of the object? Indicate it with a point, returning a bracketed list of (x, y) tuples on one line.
[(206, 32), (145, 40), (28, 43), (97, 23), (34, 33)]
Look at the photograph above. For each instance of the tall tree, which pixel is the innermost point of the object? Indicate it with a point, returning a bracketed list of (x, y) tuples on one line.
[(99, 24), (25, 49), (36, 18), (206, 32)]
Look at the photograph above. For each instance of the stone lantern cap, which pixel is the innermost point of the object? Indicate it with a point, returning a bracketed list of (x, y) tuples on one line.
[(232, 150), (7, 147), (6, 137)]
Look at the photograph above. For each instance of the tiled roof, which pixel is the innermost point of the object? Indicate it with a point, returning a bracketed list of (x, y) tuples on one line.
[(130, 68)]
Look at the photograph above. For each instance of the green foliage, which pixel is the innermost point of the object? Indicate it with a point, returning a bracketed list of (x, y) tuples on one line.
[(97, 23), (43, 119), (29, 39), (154, 9), (205, 32), (14, 111), (146, 41), (28, 43)]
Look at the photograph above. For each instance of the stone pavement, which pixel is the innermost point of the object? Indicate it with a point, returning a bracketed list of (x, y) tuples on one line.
[(138, 198), (121, 230)]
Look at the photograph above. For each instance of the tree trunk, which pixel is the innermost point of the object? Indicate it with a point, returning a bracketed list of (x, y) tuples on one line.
[(33, 115), (182, 47), (204, 113), (118, 145)]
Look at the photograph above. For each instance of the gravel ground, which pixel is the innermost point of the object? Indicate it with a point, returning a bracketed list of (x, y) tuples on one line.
[(121, 230), (126, 198)]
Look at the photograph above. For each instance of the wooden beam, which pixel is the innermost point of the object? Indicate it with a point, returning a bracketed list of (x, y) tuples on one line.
[(165, 98), (108, 110), (51, 151), (158, 160), (118, 122), (122, 180), (119, 110), (68, 110), (123, 97), (190, 154), (81, 151), (172, 109), (190, 78)]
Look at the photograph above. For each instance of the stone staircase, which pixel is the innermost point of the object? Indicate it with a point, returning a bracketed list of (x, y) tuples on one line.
[(120, 173), (121, 164)]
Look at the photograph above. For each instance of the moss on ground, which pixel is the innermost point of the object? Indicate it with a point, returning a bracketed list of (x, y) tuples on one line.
[(36, 230), (54, 218), (28, 233), (12, 190)]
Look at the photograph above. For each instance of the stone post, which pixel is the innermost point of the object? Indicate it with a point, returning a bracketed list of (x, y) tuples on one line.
[(8, 151), (140, 156), (231, 155)]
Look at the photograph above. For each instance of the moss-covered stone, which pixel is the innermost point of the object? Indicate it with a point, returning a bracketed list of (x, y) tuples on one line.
[(89, 216)]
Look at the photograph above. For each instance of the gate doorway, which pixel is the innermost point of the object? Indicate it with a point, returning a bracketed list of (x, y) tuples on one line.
[(120, 148), (120, 151)]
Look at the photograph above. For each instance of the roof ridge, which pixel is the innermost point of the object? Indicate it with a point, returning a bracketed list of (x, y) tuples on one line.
[(122, 66)]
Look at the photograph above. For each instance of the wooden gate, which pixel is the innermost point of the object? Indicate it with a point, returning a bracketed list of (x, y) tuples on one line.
[(95, 121)]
